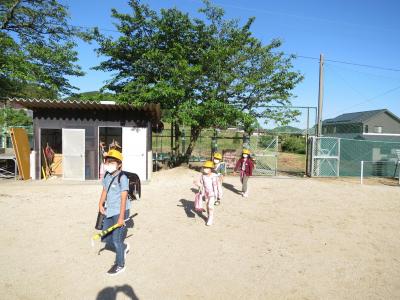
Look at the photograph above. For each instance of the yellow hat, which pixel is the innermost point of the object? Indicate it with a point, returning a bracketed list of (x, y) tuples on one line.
[(218, 155), (208, 164), (246, 151), (114, 154)]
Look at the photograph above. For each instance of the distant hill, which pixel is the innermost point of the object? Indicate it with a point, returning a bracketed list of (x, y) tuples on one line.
[(286, 129)]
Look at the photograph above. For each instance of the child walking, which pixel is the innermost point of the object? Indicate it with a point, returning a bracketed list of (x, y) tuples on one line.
[(210, 189), (219, 170), (245, 165), (115, 206)]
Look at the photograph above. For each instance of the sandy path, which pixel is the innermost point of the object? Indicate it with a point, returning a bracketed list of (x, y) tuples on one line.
[(292, 239)]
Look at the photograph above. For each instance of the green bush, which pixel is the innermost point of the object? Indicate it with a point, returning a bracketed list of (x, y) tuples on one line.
[(294, 144), (266, 140)]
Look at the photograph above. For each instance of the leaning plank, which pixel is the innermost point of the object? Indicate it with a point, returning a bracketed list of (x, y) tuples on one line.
[(21, 147)]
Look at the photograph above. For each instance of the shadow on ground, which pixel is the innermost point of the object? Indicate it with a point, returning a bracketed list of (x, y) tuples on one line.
[(188, 206), (110, 293), (230, 187)]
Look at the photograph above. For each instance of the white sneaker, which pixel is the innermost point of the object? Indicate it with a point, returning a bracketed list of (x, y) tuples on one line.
[(245, 195), (209, 222)]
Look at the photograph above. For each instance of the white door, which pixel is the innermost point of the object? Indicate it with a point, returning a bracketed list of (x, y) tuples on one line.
[(134, 146), (73, 150)]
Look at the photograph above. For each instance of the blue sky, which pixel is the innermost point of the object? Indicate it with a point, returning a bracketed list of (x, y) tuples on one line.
[(356, 31)]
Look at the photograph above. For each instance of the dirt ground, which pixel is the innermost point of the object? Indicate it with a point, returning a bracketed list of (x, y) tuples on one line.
[(291, 239)]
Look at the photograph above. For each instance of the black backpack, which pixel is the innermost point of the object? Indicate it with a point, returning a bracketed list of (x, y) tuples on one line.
[(135, 188)]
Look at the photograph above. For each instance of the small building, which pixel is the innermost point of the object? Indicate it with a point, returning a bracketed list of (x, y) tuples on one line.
[(370, 125), (78, 133)]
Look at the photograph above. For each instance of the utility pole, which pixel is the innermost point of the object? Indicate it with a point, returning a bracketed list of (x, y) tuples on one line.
[(320, 94)]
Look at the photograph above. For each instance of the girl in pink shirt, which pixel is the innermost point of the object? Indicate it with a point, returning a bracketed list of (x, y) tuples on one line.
[(210, 189)]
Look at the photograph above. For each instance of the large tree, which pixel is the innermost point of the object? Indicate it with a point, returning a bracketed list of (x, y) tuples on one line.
[(207, 72), (95, 96), (13, 117), (36, 48)]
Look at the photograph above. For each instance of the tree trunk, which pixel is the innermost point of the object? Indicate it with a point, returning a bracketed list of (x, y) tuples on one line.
[(246, 140), (178, 136), (195, 133)]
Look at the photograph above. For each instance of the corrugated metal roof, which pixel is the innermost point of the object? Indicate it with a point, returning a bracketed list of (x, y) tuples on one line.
[(357, 117), (152, 109)]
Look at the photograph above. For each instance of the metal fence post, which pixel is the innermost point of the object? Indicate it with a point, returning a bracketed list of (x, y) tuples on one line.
[(338, 162), (276, 155), (362, 172), (312, 156)]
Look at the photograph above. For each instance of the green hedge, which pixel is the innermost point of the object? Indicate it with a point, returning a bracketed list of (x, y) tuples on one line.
[(293, 144)]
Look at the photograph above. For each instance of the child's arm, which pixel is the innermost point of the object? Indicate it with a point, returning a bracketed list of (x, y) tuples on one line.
[(237, 167), (124, 196), (252, 164), (102, 200), (199, 184)]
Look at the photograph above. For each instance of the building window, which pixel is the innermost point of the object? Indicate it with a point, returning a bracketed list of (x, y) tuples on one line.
[(366, 129), (378, 129)]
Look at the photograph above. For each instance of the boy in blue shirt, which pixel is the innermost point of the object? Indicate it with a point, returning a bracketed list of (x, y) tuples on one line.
[(114, 204)]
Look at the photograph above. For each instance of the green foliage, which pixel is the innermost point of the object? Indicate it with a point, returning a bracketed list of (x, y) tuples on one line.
[(265, 140), (96, 96), (12, 117), (237, 140), (294, 144), (207, 73), (36, 48)]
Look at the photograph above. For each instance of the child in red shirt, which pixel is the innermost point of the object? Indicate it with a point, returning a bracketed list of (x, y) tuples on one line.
[(245, 165)]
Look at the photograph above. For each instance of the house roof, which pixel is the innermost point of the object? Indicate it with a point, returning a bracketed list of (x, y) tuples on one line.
[(358, 117), (152, 110)]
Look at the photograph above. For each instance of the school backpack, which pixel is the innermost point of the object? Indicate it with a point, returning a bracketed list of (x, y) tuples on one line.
[(135, 188)]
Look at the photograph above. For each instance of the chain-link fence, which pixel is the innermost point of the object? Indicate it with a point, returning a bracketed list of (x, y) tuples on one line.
[(325, 158), (382, 155), (332, 156), (281, 150), (265, 154), (165, 146), (229, 142)]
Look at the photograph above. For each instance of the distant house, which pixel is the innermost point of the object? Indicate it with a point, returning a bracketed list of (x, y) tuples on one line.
[(374, 124)]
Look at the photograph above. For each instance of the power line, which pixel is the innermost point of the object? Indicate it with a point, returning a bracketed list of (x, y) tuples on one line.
[(369, 99), (363, 65), (299, 56), (312, 19), (341, 68), (350, 63), (330, 67)]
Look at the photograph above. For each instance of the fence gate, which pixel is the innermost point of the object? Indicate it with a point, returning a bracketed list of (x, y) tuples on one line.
[(265, 155), (325, 157)]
